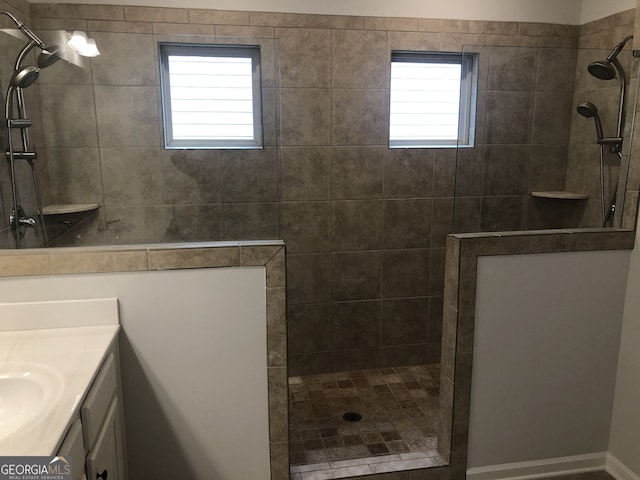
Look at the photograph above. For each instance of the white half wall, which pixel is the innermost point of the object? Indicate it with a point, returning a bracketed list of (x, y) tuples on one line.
[(551, 11), (194, 366), (624, 443), (547, 333)]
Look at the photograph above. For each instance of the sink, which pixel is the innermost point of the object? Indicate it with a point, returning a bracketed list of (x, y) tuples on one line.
[(28, 391)]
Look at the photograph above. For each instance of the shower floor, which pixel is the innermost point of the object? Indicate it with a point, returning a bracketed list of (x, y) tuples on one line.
[(397, 431)]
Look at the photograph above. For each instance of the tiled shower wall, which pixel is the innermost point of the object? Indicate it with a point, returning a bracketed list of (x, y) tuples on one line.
[(364, 225), (542, 143), (365, 228), (597, 39), (526, 96), (104, 143)]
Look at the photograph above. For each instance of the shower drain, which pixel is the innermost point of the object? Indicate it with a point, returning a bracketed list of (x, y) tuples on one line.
[(352, 417)]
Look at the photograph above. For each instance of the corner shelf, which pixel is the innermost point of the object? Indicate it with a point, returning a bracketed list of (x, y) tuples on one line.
[(561, 195), (69, 208)]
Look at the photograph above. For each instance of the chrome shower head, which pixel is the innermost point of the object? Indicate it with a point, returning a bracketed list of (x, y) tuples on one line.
[(608, 69), (25, 76), (49, 56), (588, 110)]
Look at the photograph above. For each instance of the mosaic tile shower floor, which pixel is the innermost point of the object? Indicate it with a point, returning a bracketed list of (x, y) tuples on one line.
[(398, 428)]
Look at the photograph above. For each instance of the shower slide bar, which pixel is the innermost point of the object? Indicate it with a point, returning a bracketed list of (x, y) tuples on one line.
[(22, 78)]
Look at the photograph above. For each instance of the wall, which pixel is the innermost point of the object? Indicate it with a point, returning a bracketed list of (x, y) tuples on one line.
[(182, 330), (365, 226), (544, 371), (625, 425), (594, 9), (595, 42), (110, 150), (522, 143), (232, 203), (567, 11), (571, 12)]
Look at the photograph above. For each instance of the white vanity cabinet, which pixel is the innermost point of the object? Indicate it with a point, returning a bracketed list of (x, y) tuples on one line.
[(106, 459), (73, 446), (97, 437)]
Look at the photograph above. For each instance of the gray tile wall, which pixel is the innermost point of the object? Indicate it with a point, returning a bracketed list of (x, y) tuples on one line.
[(597, 39), (524, 109), (365, 226), (534, 139), (112, 153)]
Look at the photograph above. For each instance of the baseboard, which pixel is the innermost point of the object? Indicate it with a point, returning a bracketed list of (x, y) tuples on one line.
[(619, 470), (550, 467)]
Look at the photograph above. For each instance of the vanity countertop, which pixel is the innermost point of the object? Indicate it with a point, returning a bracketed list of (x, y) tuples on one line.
[(71, 356)]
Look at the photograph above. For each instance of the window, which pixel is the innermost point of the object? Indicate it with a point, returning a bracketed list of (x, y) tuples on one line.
[(433, 99), (211, 96)]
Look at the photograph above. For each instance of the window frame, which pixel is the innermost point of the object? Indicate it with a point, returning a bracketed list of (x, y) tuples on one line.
[(468, 93), (167, 49)]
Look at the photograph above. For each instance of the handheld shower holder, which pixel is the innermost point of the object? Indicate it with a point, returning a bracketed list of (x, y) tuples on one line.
[(614, 143)]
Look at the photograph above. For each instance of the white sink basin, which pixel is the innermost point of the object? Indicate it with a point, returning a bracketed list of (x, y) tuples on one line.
[(28, 391)]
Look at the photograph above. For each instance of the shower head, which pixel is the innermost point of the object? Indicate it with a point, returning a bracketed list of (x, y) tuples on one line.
[(588, 110), (602, 69), (49, 56), (24, 77), (607, 69)]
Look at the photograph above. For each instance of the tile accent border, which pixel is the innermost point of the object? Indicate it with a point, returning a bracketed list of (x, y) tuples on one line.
[(160, 20), (463, 251), (135, 258)]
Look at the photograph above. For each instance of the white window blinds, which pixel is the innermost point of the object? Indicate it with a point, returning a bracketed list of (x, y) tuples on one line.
[(211, 96), (432, 100)]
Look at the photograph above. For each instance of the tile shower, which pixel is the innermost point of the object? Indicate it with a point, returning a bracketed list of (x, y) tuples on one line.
[(365, 225)]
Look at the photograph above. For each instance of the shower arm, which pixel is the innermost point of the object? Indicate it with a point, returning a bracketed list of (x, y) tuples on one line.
[(26, 31)]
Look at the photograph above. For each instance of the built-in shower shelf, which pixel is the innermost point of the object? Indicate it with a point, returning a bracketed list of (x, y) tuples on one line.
[(561, 195), (69, 208)]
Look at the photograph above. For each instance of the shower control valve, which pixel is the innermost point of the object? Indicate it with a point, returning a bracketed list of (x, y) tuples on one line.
[(20, 219)]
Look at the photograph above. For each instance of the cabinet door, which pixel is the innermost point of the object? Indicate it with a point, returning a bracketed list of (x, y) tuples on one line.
[(96, 405), (106, 460), (73, 447)]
